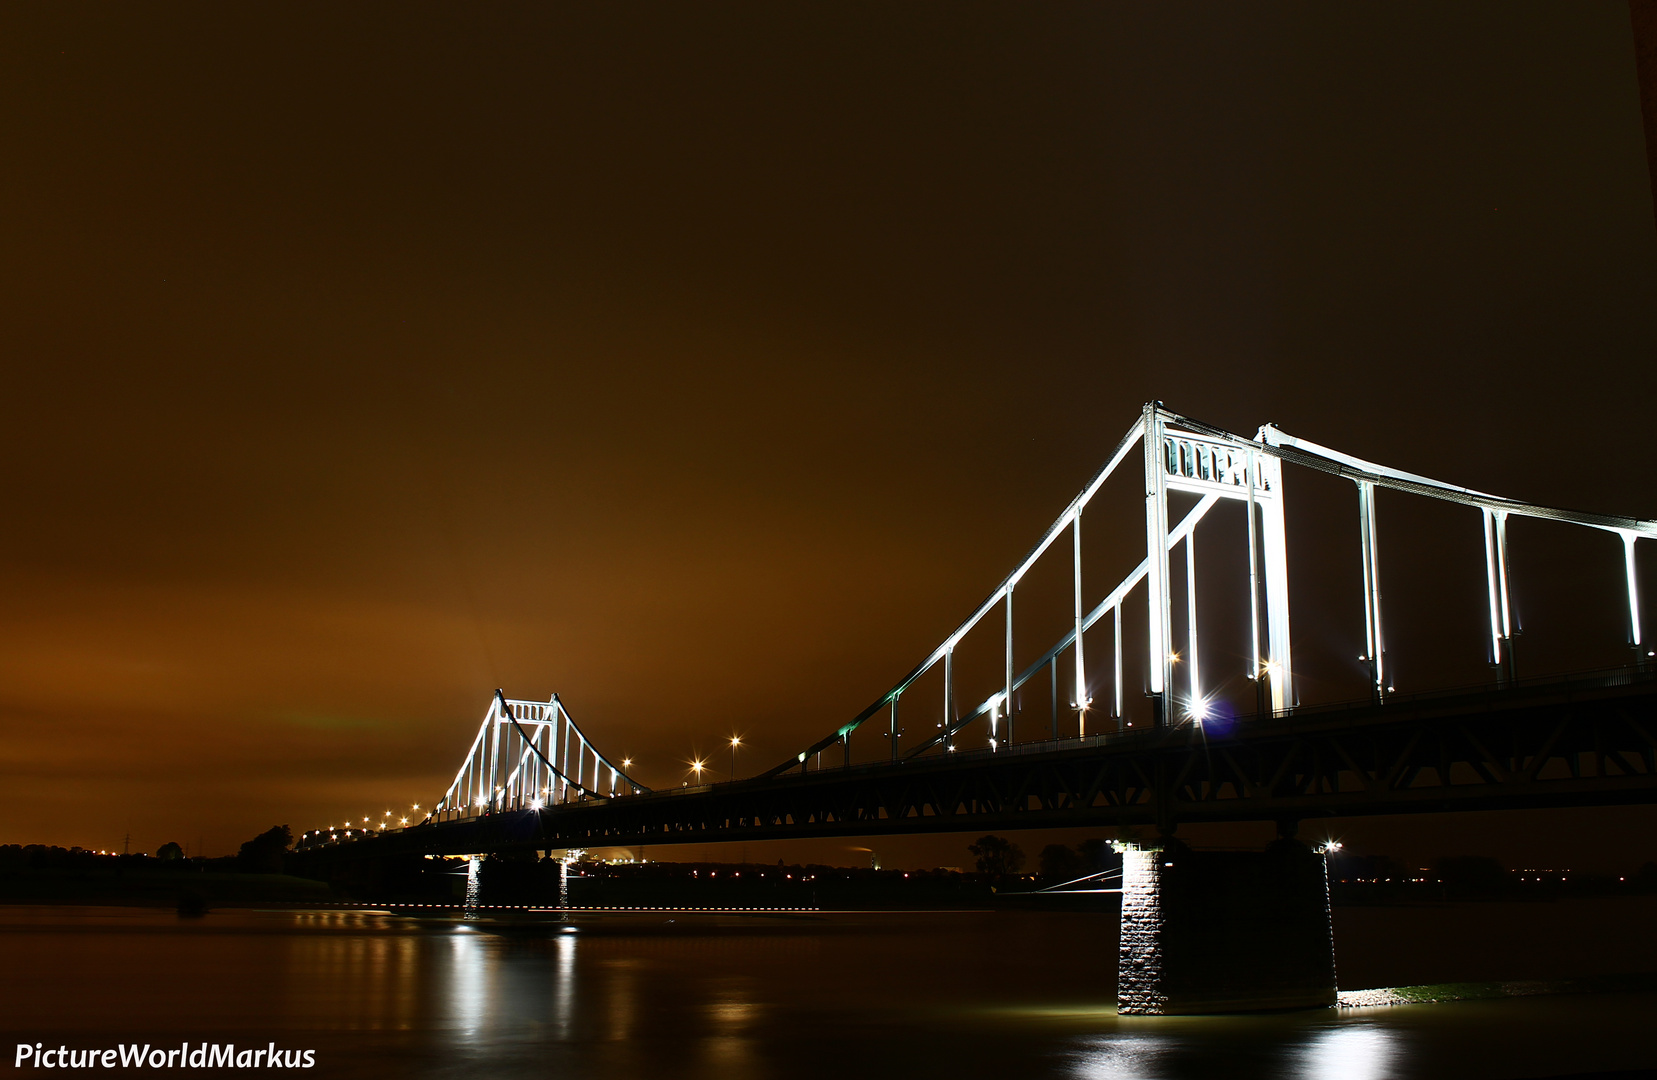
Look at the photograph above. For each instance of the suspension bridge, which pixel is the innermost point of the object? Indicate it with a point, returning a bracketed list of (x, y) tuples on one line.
[(534, 779)]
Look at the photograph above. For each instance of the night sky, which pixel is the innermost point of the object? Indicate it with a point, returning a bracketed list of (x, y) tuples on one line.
[(706, 364)]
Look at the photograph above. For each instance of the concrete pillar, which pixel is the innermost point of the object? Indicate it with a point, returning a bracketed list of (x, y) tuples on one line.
[(1224, 931)]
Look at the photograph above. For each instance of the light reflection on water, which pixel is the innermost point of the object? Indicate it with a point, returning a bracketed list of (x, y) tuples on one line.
[(1127, 1057), (892, 995), (467, 983), (620, 1011), (353, 972), (563, 990), (1362, 1051), (729, 1048), (494, 990), (1317, 1048)]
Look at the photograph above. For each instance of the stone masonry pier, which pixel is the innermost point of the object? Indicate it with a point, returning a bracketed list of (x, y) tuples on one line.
[(1224, 931)]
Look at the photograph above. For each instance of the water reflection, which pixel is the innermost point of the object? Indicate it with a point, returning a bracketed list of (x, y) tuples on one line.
[(871, 996), (620, 998), (729, 1048), (1356, 1050), (468, 983), (563, 980), (512, 989), (1311, 1048), (361, 974), (1125, 1057)]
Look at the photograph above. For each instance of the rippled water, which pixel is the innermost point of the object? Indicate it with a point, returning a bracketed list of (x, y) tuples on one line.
[(912, 994)]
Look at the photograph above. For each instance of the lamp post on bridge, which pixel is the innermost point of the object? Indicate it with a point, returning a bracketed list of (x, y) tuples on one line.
[(736, 741)]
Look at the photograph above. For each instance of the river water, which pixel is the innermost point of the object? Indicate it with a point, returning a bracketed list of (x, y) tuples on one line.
[(915, 994)]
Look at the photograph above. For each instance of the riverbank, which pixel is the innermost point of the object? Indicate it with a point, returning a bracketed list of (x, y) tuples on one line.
[(1441, 993), (158, 887)]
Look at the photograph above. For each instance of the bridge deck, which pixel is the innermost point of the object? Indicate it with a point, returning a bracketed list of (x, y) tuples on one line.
[(1576, 741)]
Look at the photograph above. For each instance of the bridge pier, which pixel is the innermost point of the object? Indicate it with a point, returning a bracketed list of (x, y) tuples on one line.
[(474, 886), (1224, 931)]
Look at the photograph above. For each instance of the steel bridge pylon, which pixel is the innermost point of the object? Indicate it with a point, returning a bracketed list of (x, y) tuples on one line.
[(1184, 455), (521, 760)]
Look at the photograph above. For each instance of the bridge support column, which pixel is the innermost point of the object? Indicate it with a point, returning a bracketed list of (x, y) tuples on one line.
[(473, 886), (1224, 931)]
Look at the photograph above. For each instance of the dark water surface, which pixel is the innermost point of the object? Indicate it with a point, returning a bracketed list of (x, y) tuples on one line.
[(960, 994)]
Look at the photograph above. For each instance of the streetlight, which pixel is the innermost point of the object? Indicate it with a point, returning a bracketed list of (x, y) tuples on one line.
[(696, 767), (736, 741)]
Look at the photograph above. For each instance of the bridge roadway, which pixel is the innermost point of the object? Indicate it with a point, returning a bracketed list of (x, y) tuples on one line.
[(1583, 740)]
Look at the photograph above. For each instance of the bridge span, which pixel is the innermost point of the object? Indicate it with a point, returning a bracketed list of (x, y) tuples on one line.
[(1585, 740), (534, 778)]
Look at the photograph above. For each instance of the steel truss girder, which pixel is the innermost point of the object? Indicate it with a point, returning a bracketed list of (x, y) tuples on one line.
[(1395, 762), (1574, 742)]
